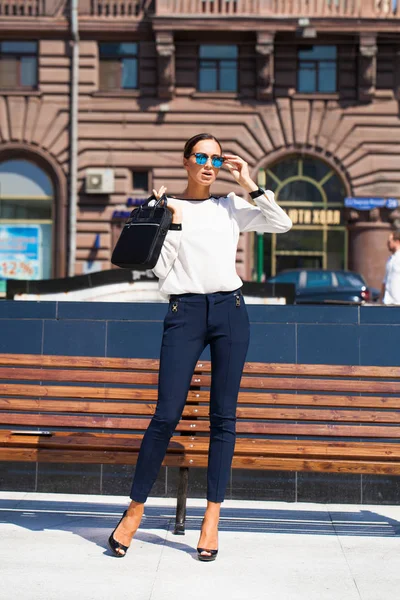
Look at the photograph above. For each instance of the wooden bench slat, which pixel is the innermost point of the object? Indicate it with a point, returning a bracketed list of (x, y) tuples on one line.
[(256, 428), (78, 375), (75, 391), (256, 368), (62, 439), (190, 460), (307, 448), (201, 380), (317, 414), (334, 385), (82, 421), (55, 455), (317, 465), (325, 385), (100, 362), (193, 444), (330, 430), (314, 448), (265, 398), (82, 407), (321, 370), (318, 400), (123, 408)]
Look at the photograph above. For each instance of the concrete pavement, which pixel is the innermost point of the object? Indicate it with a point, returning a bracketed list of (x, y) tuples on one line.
[(53, 547)]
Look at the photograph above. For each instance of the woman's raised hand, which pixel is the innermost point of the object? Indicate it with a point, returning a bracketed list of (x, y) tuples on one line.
[(240, 171), (160, 192), (173, 205)]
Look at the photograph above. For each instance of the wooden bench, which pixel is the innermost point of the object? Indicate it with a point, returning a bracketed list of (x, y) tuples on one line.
[(328, 418)]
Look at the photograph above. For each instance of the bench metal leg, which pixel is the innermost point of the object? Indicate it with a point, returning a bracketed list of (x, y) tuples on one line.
[(181, 501)]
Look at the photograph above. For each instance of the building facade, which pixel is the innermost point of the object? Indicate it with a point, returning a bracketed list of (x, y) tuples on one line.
[(94, 112)]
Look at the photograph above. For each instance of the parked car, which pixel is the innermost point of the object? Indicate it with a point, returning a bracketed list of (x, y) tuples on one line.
[(323, 286)]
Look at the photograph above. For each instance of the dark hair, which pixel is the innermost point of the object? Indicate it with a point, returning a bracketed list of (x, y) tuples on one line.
[(396, 235), (190, 144)]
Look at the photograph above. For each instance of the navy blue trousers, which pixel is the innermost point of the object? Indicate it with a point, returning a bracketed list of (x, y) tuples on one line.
[(192, 322)]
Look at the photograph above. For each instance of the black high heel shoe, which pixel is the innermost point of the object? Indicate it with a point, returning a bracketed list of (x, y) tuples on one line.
[(114, 545), (203, 557)]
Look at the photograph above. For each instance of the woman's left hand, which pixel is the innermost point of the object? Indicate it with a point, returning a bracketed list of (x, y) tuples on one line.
[(240, 171)]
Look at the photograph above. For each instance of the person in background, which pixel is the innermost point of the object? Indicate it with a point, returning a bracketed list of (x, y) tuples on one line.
[(391, 284), (391, 250)]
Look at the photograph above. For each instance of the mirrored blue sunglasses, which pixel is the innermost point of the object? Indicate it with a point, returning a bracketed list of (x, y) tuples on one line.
[(201, 159)]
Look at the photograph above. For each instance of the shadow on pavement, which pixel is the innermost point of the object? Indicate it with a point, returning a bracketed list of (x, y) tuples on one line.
[(95, 521)]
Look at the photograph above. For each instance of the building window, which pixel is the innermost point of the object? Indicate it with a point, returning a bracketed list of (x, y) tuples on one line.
[(18, 65), (317, 69), (118, 66), (26, 221), (312, 193), (140, 181), (218, 71)]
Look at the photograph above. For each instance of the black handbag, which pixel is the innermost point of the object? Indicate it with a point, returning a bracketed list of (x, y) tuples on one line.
[(143, 235)]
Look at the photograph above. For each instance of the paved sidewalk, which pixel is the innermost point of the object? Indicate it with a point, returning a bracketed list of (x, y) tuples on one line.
[(53, 547)]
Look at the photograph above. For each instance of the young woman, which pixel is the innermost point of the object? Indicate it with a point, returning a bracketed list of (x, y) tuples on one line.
[(196, 270)]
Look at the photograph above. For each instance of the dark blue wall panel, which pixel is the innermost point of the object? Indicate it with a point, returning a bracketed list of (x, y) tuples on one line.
[(275, 342), (379, 345), (28, 310), (328, 344), (75, 338), (310, 334), (303, 314), (112, 311), (21, 336), (129, 339), (388, 315)]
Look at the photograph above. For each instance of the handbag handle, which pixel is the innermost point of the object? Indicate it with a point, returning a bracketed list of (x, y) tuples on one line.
[(161, 200)]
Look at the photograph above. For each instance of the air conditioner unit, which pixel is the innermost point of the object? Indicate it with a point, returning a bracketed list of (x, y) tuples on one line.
[(99, 181)]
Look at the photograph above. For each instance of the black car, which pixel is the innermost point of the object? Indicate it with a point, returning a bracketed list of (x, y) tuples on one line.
[(323, 286)]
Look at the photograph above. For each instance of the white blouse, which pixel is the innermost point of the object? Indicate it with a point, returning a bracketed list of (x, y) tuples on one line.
[(392, 280), (201, 258)]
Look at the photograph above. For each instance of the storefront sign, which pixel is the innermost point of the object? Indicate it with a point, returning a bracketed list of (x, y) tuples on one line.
[(369, 203), (314, 216), (135, 201), (20, 252), (91, 266), (131, 202)]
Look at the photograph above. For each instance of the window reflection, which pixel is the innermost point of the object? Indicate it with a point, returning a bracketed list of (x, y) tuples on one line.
[(312, 194), (218, 68), (294, 190), (118, 66), (305, 179), (26, 221), (18, 65), (317, 67)]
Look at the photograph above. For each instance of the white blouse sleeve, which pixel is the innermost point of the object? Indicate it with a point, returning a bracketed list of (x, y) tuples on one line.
[(266, 217), (394, 278), (169, 253)]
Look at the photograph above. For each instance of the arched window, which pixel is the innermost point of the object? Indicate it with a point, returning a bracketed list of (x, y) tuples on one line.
[(312, 193), (26, 220)]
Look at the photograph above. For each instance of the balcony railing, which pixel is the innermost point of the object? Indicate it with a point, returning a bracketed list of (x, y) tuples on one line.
[(94, 8), (209, 7), (121, 9), (336, 8), (375, 9), (22, 8), (116, 8), (32, 8)]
